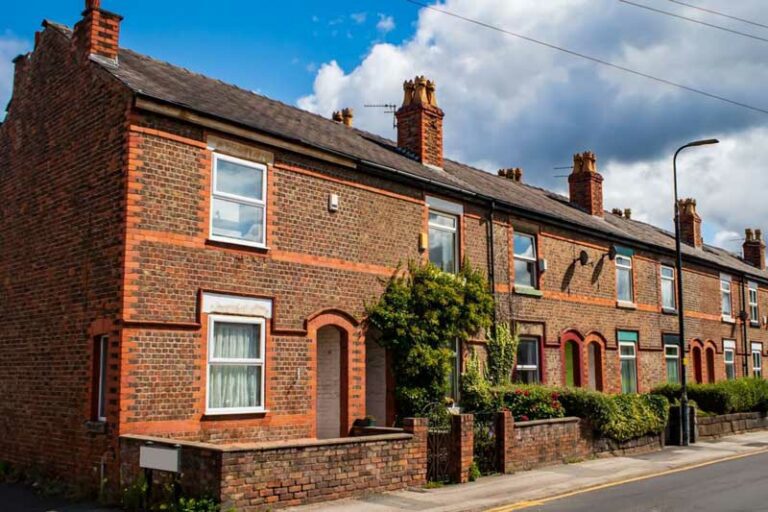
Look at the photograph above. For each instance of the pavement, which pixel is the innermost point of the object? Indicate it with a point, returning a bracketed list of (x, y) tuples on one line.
[(545, 486), (18, 498)]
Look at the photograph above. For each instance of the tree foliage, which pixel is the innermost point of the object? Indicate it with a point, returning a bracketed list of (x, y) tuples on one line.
[(421, 315), (502, 353)]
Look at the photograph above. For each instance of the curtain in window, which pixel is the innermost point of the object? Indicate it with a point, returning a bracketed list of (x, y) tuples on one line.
[(235, 385), (628, 376)]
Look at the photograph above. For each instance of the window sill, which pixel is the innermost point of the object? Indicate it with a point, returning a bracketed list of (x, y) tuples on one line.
[(622, 304), (669, 311), (752, 323), (96, 427), (728, 319), (212, 415), (234, 243), (527, 290)]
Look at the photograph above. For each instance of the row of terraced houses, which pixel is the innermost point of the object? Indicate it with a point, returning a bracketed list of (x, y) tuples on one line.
[(182, 259)]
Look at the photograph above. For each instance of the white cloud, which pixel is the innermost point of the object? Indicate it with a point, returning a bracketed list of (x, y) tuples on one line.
[(10, 47), (509, 102), (359, 17), (385, 24)]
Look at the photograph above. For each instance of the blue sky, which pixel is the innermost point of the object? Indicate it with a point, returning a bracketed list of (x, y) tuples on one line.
[(272, 47), (508, 103)]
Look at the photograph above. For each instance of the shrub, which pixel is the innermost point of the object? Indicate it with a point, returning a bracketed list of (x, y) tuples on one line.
[(726, 397), (502, 352), (421, 315), (476, 394), (528, 403)]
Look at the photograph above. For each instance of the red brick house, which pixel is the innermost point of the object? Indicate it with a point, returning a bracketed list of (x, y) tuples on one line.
[(184, 259)]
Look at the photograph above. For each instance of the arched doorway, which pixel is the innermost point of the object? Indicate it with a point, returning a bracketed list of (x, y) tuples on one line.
[(572, 364), (710, 357), (329, 378), (697, 369), (594, 366), (376, 382)]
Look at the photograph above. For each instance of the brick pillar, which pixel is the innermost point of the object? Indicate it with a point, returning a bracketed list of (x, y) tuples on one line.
[(505, 442), (462, 447), (417, 454)]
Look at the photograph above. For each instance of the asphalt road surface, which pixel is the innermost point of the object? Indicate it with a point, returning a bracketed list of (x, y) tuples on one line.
[(732, 486)]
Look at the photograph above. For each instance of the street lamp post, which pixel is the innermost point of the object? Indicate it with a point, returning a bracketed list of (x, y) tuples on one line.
[(684, 416)]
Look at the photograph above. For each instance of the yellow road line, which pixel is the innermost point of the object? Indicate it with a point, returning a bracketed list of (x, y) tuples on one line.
[(520, 505)]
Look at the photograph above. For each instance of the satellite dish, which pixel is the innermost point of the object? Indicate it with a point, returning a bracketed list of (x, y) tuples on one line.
[(583, 257), (612, 252)]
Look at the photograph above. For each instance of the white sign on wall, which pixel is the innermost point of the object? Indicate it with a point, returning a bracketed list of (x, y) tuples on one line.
[(162, 459)]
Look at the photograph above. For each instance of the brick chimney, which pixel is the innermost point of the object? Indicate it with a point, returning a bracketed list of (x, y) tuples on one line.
[(420, 122), (515, 174), (754, 248), (347, 116), (98, 33), (586, 184), (690, 223)]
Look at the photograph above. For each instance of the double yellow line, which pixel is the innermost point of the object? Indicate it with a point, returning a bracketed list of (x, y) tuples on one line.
[(520, 505)]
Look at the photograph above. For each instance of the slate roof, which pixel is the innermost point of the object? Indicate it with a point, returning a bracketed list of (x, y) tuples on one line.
[(175, 85)]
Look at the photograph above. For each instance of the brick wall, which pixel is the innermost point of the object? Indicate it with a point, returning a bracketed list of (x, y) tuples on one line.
[(269, 476), (62, 164)]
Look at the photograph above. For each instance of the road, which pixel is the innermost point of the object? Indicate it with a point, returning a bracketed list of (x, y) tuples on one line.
[(731, 486)]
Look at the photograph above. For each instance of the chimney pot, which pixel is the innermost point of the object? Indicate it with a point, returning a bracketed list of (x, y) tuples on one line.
[(628, 213), (420, 122), (336, 116), (586, 184), (514, 174), (690, 223), (347, 116), (617, 212), (754, 248)]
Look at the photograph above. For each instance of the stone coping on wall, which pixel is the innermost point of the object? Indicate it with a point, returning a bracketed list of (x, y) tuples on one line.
[(276, 445), (551, 421)]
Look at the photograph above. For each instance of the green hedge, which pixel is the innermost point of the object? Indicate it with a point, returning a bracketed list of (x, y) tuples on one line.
[(726, 397), (620, 417)]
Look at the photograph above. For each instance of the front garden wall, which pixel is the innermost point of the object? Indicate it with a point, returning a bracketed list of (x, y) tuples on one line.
[(712, 427)]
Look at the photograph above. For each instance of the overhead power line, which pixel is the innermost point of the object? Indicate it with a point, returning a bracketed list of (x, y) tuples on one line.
[(694, 20), (591, 58), (717, 13)]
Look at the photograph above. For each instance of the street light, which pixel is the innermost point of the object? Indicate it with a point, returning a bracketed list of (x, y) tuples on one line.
[(684, 416)]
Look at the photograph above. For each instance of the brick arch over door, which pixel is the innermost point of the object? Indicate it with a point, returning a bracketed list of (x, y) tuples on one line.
[(572, 357), (594, 361), (709, 361), (697, 357), (351, 365)]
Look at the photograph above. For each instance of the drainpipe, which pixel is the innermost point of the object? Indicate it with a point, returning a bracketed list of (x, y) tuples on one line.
[(492, 262), (744, 332)]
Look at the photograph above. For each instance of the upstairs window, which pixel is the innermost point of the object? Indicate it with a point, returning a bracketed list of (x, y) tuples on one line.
[(443, 238), (628, 359), (726, 302), (525, 260), (672, 357), (624, 279), (238, 205), (668, 288), (754, 310), (527, 369), (729, 357)]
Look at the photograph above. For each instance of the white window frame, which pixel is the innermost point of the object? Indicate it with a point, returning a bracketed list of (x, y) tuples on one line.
[(675, 356), (453, 231), (527, 259), (668, 279), (101, 404), (528, 367), (729, 347), (757, 350), (622, 266), (726, 286), (633, 358), (249, 201), (261, 361), (754, 308)]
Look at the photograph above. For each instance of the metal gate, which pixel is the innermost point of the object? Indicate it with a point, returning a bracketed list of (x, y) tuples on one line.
[(485, 447), (438, 452)]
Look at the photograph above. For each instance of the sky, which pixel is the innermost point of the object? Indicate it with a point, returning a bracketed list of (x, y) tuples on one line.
[(508, 102)]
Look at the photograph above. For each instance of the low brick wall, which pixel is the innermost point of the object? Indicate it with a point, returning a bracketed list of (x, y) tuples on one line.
[(254, 477), (712, 427), (545, 442)]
